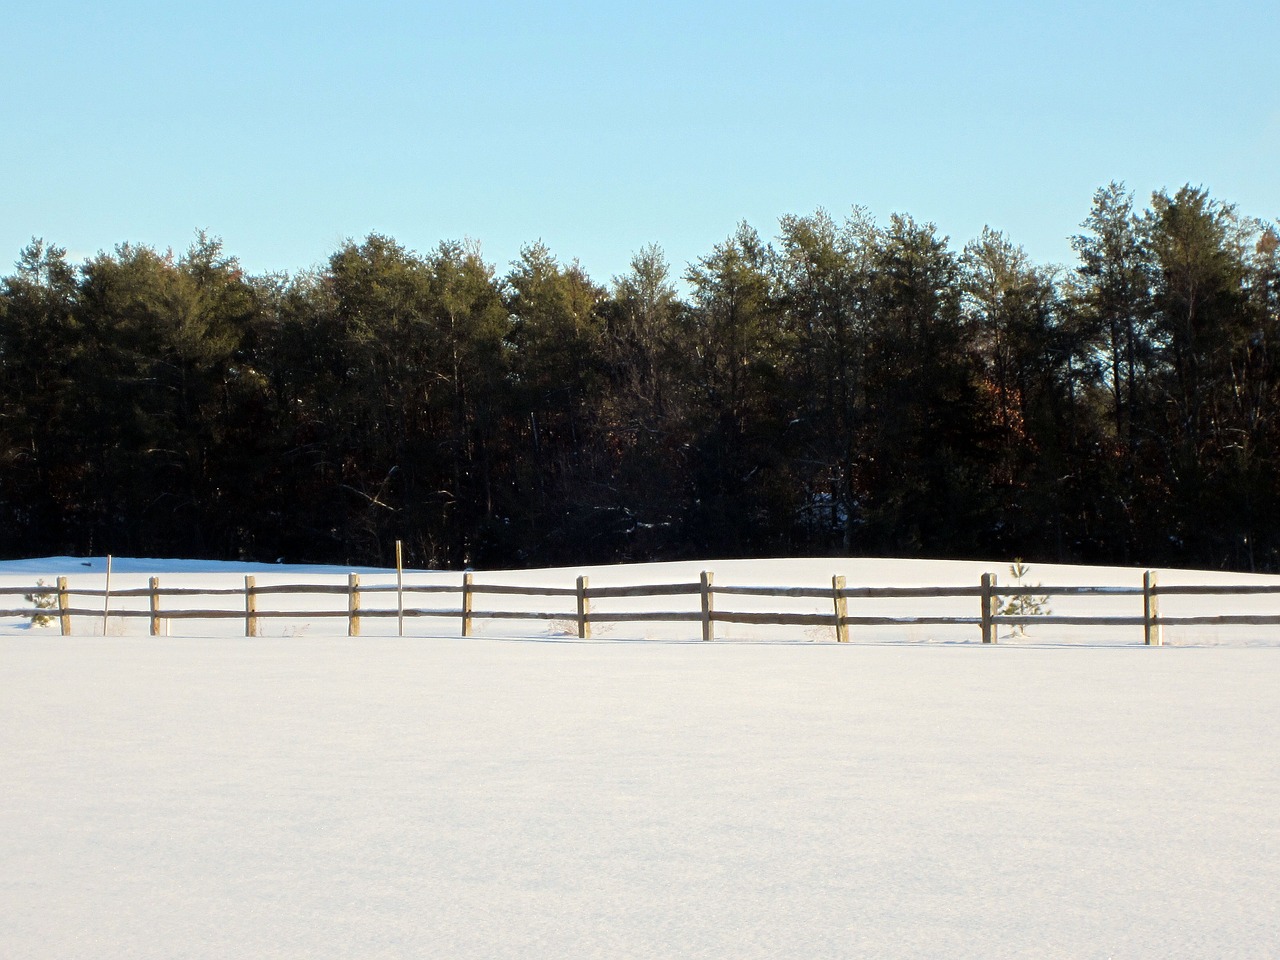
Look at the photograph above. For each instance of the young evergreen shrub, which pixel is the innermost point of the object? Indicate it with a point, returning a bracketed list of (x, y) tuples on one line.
[(1025, 604), (41, 600)]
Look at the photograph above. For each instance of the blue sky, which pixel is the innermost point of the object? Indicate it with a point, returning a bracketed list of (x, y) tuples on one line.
[(285, 127)]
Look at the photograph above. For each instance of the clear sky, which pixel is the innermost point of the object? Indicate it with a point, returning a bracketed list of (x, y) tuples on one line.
[(286, 127)]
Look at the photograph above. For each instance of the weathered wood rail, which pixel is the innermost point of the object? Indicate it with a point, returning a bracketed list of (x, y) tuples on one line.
[(167, 604)]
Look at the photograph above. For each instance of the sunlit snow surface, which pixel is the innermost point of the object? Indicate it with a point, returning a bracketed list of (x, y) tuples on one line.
[(314, 796)]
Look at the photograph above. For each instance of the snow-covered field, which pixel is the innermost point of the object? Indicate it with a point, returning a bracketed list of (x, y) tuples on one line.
[(314, 796)]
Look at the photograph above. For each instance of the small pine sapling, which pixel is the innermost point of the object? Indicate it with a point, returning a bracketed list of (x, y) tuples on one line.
[(42, 600), (1022, 604)]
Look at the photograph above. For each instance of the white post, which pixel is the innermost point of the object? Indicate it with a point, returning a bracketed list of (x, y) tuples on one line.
[(400, 587), (106, 598)]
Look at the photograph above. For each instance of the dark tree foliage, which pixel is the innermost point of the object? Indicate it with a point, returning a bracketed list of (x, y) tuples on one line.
[(848, 388)]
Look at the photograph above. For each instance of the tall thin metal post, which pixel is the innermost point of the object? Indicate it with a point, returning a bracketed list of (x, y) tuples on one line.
[(399, 590), (106, 598)]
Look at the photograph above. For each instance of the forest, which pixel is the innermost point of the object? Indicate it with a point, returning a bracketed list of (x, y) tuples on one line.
[(846, 387)]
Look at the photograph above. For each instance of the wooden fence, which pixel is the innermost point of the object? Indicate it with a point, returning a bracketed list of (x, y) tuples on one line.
[(166, 604)]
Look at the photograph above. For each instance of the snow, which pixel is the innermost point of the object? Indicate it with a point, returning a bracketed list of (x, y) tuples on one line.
[(314, 796)]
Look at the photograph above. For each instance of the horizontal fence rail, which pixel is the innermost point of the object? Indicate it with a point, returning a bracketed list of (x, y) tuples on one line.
[(64, 603)]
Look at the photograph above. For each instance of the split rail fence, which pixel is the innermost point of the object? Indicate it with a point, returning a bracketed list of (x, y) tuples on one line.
[(63, 603)]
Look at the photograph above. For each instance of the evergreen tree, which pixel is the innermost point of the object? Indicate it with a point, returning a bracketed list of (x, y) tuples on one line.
[(1016, 328), (645, 406), (741, 498), (1199, 249), (923, 406), (557, 331), (824, 279), (39, 342)]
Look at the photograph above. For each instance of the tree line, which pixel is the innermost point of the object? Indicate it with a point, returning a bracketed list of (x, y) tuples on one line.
[(847, 387)]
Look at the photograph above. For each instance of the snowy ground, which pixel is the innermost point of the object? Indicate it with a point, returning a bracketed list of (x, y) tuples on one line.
[(325, 797)]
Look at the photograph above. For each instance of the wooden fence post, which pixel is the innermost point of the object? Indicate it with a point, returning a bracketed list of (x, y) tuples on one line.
[(466, 604), (64, 604), (353, 605), (155, 606), (707, 605), (584, 611), (250, 608), (1152, 630), (842, 609), (988, 605)]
